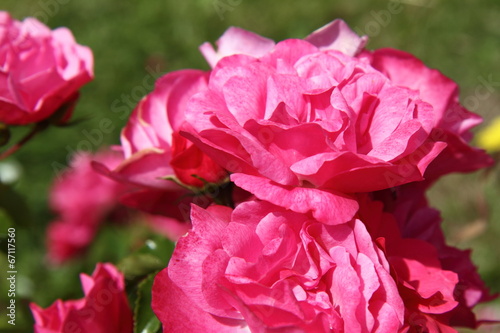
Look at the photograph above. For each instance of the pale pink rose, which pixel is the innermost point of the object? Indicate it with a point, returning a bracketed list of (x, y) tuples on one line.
[(104, 308), (336, 35), (267, 269), (154, 151), (40, 70), (306, 114), (408, 222)]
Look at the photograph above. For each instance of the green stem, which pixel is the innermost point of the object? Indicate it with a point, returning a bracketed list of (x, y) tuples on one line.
[(37, 128)]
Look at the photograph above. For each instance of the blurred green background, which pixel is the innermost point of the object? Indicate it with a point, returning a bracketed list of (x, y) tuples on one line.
[(134, 40)]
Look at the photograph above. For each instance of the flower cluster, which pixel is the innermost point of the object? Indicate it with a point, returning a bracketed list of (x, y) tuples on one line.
[(337, 146), (300, 169)]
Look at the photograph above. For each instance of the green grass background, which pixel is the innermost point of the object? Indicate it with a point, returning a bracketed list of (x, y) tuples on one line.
[(462, 39)]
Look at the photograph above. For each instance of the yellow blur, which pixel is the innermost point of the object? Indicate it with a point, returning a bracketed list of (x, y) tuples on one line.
[(489, 138)]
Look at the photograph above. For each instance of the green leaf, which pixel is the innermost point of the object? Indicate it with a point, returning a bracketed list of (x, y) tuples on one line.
[(159, 247), (138, 265), (145, 320), (152, 256)]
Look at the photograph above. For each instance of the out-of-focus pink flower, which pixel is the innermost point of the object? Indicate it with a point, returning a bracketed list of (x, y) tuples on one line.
[(154, 150), (311, 113), (82, 198), (104, 309), (171, 228), (273, 270), (40, 70)]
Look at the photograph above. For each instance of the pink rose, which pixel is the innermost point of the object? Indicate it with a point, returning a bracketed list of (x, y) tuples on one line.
[(268, 269), (154, 151), (306, 114), (104, 309), (40, 70), (426, 287), (416, 220)]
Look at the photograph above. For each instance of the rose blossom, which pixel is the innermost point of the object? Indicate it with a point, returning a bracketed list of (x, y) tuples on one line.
[(40, 70), (416, 220), (154, 151), (318, 113), (104, 309), (269, 269), (427, 289), (306, 114)]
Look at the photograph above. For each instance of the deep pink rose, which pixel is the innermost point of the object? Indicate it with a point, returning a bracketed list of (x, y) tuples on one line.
[(426, 288), (416, 220), (154, 150), (304, 113), (268, 269), (40, 70), (104, 309)]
